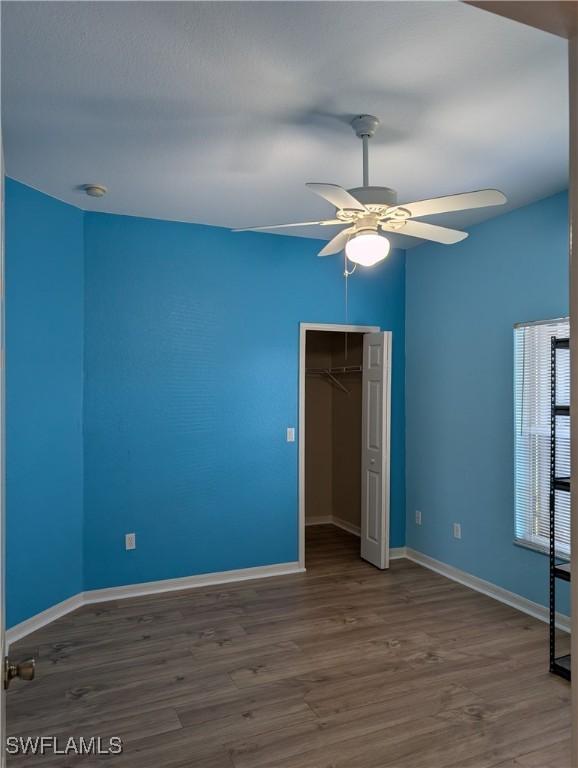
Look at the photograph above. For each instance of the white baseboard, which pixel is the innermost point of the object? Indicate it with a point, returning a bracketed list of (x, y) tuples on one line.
[(190, 582), (281, 569), (536, 610), (339, 522), (397, 553), (319, 520), (19, 631)]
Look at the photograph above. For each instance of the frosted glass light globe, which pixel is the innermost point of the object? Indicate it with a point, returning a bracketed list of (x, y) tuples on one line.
[(367, 248)]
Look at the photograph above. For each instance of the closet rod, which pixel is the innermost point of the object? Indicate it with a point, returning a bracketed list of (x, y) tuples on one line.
[(327, 372), (335, 370)]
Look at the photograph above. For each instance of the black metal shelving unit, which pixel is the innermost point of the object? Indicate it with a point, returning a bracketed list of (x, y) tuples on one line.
[(559, 665)]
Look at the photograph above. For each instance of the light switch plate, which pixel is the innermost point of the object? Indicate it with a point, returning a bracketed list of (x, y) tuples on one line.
[(290, 434), (130, 541)]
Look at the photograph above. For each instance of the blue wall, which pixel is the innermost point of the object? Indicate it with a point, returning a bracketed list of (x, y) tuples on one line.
[(188, 336), (44, 339), (461, 305), (191, 378), (189, 353)]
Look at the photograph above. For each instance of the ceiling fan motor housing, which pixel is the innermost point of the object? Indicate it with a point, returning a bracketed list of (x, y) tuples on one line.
[(374, 195)]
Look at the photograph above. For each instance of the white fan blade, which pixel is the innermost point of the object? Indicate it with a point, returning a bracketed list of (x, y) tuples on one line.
[(337, 196), (450, 203), (428, 232), (325, 223), (338, 243)]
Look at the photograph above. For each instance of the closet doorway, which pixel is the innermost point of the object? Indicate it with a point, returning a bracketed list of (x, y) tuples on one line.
[(344, 444)]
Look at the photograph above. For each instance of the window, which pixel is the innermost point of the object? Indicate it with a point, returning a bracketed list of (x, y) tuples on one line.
[(532, 413)]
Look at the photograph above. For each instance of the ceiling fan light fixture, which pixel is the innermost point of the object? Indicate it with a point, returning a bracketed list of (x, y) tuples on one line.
[(367, 248)]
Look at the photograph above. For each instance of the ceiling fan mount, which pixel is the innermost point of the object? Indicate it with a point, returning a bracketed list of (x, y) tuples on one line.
[(368, 212), (365, 125)]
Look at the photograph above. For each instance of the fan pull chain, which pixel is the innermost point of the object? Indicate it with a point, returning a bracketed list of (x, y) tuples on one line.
[(347, 275)]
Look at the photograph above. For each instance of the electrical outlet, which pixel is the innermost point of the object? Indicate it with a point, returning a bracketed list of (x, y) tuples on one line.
[(130, 541), (457, 530), (417, 517)]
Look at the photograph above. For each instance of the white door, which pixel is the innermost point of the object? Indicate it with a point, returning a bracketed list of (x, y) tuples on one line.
[(375, 449)]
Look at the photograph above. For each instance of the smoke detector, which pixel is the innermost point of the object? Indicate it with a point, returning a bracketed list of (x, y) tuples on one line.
[(95, 190)]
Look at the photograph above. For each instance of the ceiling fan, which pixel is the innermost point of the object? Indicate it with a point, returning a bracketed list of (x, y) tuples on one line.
[(367, 212)]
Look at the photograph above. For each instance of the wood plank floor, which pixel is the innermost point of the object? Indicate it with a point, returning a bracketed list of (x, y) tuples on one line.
[(341, 667)]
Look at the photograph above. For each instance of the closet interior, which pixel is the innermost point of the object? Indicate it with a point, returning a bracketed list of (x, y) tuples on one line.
[(333, 412)]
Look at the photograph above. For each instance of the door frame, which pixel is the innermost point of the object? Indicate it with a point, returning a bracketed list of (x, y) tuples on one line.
[(303, 328), (3, 646)]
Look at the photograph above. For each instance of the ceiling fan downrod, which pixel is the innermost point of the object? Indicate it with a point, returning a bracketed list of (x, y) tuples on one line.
[(365, 127)]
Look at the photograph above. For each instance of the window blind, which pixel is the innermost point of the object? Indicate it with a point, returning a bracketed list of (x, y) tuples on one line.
[(532, 413)]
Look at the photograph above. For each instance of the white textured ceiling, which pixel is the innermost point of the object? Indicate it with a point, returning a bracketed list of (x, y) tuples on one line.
[(219, 112)]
